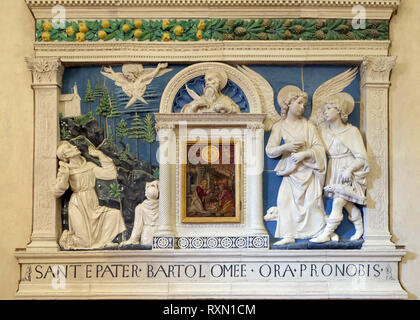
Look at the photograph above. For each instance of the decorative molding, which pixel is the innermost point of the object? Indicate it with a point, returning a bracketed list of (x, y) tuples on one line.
[(46, 71), (185, 9), (163, 242), (229, 51), (211, 120), (209, 29), (220, 242), (376, 70), (200, 3)]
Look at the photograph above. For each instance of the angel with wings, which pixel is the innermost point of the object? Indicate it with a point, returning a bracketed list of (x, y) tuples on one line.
[(134, 79), (300, 211)]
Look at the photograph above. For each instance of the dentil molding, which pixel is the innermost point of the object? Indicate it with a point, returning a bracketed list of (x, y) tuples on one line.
[(89, 9)]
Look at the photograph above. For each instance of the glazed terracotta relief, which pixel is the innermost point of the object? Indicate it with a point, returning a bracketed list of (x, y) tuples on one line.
[(315, 163)]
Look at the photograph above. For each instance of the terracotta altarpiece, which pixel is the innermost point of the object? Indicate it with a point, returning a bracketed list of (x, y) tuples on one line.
[(243, 148)]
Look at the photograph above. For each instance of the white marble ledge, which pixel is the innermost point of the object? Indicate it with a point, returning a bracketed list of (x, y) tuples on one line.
[(213, 119), (213, 255)]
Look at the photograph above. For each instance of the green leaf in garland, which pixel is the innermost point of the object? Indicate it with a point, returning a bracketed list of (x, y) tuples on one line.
[(145, 36), (332, 35), (89, 35), (110, 36), (39, 26), (129, 35)]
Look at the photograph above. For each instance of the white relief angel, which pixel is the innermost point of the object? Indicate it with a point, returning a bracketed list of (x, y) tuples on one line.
[(300, 212), (348, 166), (134, 79)]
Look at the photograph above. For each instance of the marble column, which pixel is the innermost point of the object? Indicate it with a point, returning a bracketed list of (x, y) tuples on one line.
[(254, 167), (375, 73), (46, 226), (164, 237)]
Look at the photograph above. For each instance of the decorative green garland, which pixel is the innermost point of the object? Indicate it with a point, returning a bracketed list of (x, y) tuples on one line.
[(213, 29)]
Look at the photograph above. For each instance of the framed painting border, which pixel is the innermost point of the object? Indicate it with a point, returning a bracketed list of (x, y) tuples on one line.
[(238, 182)]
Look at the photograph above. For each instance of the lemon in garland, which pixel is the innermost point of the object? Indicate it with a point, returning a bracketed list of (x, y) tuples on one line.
[(102, 34), (47, 26), (138, 33), (138, 23), (105, 24), (199, 35), (70, 31), (165, 24), (125, 28), (45, 36), (83, 27), (166, 36), (178, 30), (201, 25), (80, 36)]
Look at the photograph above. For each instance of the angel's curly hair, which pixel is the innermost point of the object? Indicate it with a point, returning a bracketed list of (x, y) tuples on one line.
[(292, 96), (343, 106)]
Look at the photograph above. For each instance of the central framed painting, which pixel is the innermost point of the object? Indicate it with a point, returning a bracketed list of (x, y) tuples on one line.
[(211, 181)]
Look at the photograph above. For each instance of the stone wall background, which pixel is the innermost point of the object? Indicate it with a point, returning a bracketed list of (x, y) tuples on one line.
[(16, 140)]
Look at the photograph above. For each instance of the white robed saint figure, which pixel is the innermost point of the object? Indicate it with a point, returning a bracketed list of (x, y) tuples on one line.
[(91, 226)]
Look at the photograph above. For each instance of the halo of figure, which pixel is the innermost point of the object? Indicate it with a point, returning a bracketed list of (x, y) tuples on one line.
[(213, 100), (90, 225), (348, 165), (146, 217), (134, 79)]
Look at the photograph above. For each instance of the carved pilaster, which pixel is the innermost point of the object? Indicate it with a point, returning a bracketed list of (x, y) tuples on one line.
[(254, 144), (164, 238), (47, 79), (375, 83)]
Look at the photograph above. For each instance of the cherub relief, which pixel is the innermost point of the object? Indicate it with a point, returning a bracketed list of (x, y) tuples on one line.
[(134, 79)]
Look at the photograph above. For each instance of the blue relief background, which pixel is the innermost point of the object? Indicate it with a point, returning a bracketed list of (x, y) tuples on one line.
[(307, 77)]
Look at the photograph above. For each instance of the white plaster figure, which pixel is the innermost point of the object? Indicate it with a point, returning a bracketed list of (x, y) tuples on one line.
[(146, 217), (213, 100), (347, 167), (134, 79), (302, 165), (90, 225)]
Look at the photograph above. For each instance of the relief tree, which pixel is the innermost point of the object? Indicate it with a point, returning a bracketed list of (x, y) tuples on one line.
[(136, 131), (104, 108), (115, 113), (149, 136), (89, 97), (121, 132)]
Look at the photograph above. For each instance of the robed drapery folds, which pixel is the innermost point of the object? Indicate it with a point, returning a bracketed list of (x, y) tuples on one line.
[(343, 148), (300, 207), (90, 225)]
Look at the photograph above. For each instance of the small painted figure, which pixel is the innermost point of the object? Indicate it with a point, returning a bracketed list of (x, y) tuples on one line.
[(347, 168), (226, 198), (202, 190), (90, 225), (146, 217)]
